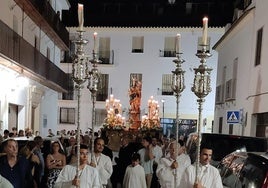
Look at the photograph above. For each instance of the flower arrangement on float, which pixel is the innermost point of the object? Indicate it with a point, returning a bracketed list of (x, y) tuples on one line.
[(151, 121), (114, 119)]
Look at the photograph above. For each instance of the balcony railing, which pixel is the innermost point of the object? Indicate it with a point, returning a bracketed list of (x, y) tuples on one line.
[(41, 12), (26, 56), (167, 53), (106, 57)]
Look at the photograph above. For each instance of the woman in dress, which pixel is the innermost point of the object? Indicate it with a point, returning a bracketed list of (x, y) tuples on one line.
[(54, 162)]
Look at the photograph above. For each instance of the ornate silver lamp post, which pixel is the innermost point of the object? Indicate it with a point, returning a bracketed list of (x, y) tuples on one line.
[(201, 89), (79, 76), (93, 81), (177, 87)]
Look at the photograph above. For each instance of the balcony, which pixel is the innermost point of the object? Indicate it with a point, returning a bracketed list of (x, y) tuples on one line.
[(105, 56), (41, 12), (167, 53), (26, 59)]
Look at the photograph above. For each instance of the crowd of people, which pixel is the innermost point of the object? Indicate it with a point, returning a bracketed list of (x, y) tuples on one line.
[(152, 162)]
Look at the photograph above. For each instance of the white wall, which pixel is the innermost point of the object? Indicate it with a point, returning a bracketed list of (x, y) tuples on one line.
[(251, 80), (48, 107), (151, 66)]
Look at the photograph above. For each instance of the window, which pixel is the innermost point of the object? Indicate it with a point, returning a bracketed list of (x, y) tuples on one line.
[(70, 53), (220, 124), (235, 65), (137, 44), (70, 93), (48, 53), (36, 42), (102, 92), (104, 50), (166, 84), (258, 47), (67, 115), (219, 99), (100, 116), (15, 24), (223, 81), (228, 91), (169, 49), (199, 46)]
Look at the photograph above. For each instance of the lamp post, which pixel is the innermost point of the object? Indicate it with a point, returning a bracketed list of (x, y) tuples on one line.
[(79, 76), (177, 87), (201, 89), (93, 80)]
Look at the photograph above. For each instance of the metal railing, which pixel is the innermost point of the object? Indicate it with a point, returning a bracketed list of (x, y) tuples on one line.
[(25, 55)]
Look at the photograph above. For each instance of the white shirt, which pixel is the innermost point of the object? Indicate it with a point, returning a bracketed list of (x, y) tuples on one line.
[(147, 165), (4, 183), (89, 177), (158, 153), (134, 177), (104, 167), (166, 174), (209, 177)]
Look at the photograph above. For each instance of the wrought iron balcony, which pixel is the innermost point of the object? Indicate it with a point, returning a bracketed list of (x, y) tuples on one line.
[(28, 59), (41, 12)]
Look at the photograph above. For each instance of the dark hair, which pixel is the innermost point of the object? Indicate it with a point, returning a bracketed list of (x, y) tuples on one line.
[(205, 146), (96, 139), (135, 156), (30, 145), (38, 139), (181, 142), (82, 146), (148, 139), (6, 131)]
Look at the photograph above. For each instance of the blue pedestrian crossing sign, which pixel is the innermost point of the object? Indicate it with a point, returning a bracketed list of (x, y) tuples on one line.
[(233, 116)]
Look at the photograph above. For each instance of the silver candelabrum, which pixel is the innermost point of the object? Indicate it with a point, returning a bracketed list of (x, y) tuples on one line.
[(80, 75), (177, 86), (201, 89), (93, 80)]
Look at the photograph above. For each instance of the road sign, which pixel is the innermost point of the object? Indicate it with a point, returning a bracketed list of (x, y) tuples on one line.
[(233, 116)]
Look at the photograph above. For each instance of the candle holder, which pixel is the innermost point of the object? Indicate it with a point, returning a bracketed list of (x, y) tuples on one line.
[(152, 120), (177, 86), (93, 80), (79, 76), (201, 89), (114, 119)]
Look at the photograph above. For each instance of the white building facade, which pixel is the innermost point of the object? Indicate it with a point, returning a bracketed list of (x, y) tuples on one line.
[(241, 94), (146, 52), (31, 46)]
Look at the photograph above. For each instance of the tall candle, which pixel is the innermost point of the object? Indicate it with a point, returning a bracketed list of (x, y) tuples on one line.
[(95, 41), (178, 43), (81, 16), (205, 31)]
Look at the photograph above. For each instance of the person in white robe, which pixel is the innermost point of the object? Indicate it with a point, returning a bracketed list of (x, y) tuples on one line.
[(87, 176), (209, 176), (171, 167), (4, 183), (135, 175), (101, 162)]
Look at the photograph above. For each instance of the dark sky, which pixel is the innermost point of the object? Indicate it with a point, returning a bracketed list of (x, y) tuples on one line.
[(151, 13)]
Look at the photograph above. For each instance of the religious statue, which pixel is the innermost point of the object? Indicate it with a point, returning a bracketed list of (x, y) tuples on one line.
[(135, 102)]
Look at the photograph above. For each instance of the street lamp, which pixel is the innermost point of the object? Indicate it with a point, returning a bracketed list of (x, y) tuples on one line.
[(177, 87)]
